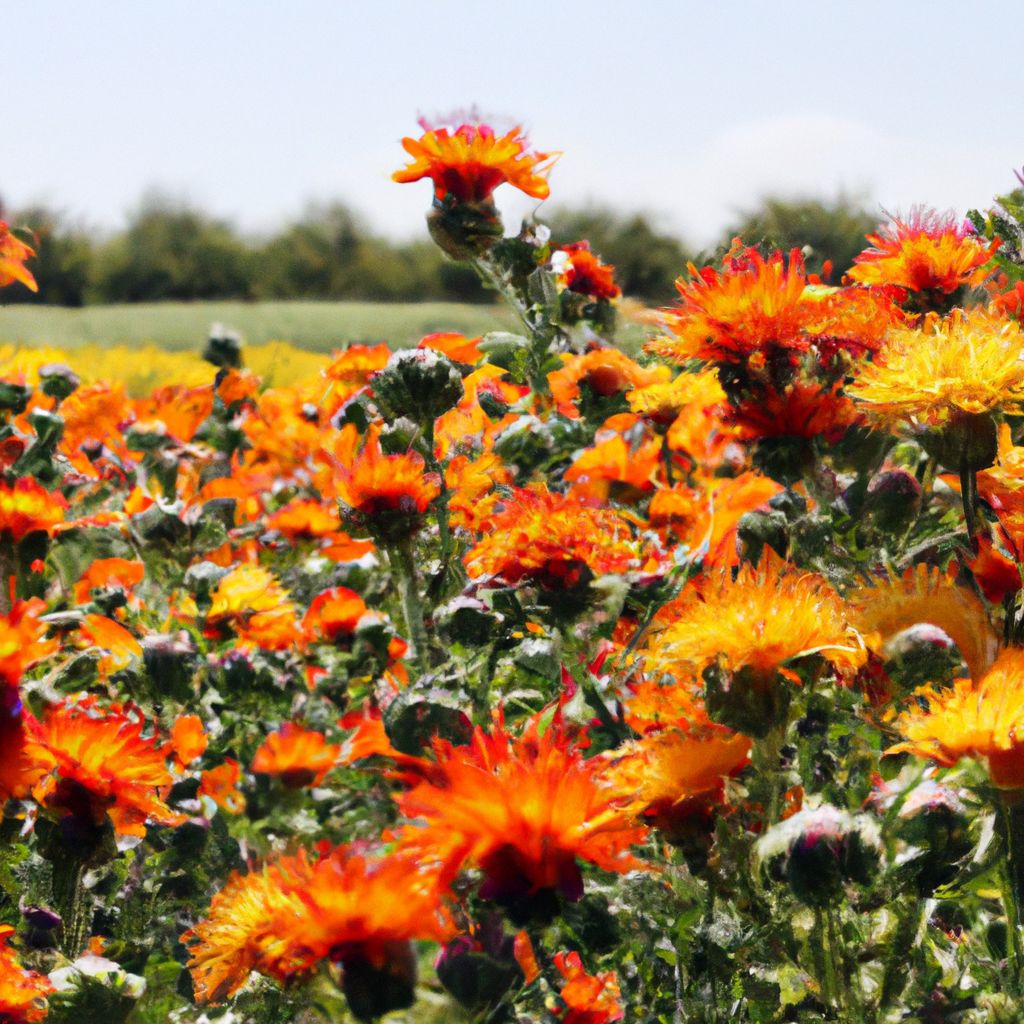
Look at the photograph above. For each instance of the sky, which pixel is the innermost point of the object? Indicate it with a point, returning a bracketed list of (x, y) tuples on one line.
[(688, 111)]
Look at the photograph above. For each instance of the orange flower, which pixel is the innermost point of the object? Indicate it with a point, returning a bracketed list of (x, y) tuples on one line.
[(457, 347), (304, 518), (28, 507), (804, 409), (92, 764), (13, 253), (250, 602), (612, 467), (351, 368), (188, 740), (333, 614), (386, 494), (983, 719), (220, 784), (471, 161), (23, 993), (763, 618), (581, 271), (108, 573), (663, 400), (299, 756), (174, 410), (284, 918), (522, 809), (588, 998), (472, 484), (21, 640), (119, 647), (927, 252), (756, 305), (552, 540), (672, 775), (604, 372)]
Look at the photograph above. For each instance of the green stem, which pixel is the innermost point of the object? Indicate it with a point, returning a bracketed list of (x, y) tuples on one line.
[(969, 496), (666, 456), (403, 565), (765, 756), (821, 956), (70, 900), (7, 570), (1012, 820)]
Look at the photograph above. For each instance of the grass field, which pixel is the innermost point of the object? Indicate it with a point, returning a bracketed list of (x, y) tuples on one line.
[(317, 326)]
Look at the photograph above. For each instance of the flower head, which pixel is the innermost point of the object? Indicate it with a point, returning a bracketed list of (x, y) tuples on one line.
[(928, 251), (91, 764), (982, 718), (581, 271), (524, 810), (299, 757), (587, 998), (13, 253), (251, 603), (284, 918), (552, 540), (23, 993), (469, 162), (28, 507), (966, 364)]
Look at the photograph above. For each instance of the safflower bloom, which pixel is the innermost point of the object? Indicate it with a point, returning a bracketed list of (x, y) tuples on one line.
[(927, 252), (761, 619), (251, 603), (969, 363), (982, 719), (469, 162), (604, 372), (28, 507), (109, 574), (220, 784), (552, 540), (13, 253), (23, 993), (457, 347), (581, 271), (524, 810), (662, 401), (299, 757), (334, 614), (588, 998), (21, 640), (93, 764), (282, 919), (385, 494)]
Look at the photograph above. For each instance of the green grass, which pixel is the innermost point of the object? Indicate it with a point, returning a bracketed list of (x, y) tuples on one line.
[(318, 326)]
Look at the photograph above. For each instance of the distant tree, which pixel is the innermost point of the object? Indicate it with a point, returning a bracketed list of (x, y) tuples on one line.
[(825, 230), (172, 251), (63, 262), (647, 261)]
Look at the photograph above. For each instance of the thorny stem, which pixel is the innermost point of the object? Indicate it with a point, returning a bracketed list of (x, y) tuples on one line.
[(969, 495), (1012, 819), (403, 564), (449, 565), (71, 903), (765, 755)]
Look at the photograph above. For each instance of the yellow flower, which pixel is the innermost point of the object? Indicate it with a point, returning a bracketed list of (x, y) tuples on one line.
[(983, 719), (969, 363)]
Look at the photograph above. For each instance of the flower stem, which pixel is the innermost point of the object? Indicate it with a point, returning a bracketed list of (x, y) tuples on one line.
[(1012, 819), (403, 565), (70, 900), (969, 496), (765, 756)]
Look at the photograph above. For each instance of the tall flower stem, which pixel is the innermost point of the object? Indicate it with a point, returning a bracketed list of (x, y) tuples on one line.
[(765, 756), (403, 565), (70, 899), (969, 496), (1011, 814)]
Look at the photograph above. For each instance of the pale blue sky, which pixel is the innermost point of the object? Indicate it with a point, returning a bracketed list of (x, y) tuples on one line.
[(688, 110)]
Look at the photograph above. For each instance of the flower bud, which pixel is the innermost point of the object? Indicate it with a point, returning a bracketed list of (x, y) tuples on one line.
[(419, 384), (464, 230), (893, 501), (170, 660), (746, 700), (58, 381)]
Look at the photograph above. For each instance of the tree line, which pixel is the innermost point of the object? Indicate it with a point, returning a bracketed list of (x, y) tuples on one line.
[(173, 251)]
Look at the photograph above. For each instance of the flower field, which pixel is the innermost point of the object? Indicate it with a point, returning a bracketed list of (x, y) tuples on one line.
[(516, 678)]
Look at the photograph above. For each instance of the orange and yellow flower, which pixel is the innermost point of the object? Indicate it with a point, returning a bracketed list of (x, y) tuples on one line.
[(221, 784), (282, 919), (762, 618), (94, 764), (457, 347), (966, 364), (299, 757), (604, 372), (469, 162), (109, 573), (981, 718), (23, 993), (552, 540), (524, 810), (927, 252), (252, 604), (13, 253), (21, 640), (28, 507)]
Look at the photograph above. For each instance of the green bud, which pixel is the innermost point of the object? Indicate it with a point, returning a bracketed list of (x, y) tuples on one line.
[(417, 384)]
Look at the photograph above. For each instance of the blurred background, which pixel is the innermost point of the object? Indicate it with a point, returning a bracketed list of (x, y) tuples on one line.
[(242, 149)]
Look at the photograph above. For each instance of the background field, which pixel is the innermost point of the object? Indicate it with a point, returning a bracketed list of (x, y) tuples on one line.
[(176, 326)]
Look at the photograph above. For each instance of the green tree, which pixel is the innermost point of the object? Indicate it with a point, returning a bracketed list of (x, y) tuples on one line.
[(826, 230), (173, 251)]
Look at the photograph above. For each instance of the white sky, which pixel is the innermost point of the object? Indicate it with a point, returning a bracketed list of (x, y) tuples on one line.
[(687, 110)]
